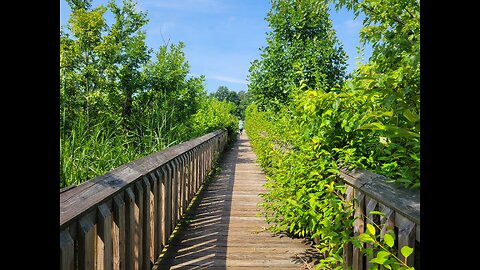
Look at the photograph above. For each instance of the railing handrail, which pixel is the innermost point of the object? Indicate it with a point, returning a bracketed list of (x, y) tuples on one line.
[(400, 208), (376, 186), (92, 193)]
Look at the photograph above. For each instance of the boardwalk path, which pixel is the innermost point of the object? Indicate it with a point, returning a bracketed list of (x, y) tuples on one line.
[(222, 230)]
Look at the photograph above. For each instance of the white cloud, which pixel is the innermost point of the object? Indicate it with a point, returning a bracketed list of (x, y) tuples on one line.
[(227, 79), (210, 6), (352, 24)]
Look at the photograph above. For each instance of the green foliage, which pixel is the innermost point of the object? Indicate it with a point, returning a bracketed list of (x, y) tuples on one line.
[(381, 250), (302, 41), (371, 121), (213, 115), (241, 99), (118, 104)]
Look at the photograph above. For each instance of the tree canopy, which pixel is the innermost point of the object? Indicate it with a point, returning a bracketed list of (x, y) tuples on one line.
[(302, 47)]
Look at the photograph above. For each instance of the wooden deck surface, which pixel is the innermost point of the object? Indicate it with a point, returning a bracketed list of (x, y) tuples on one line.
[(222, 229)]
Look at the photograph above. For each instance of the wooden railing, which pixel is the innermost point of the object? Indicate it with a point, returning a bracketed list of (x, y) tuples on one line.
[(401, 209), (123, 219)]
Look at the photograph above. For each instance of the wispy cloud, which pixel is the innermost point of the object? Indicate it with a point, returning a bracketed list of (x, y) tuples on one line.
[(352, 24), (227, 79), (209, 6)]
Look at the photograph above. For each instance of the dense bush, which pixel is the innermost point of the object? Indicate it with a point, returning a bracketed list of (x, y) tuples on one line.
[(370, 121)]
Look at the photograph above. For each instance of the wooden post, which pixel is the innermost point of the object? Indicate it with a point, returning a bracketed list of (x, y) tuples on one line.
[(166, 205), (168, 199), (406, 237), (153, 216), (138, 236), (104, 246), (158, 213), (119, 238), (86, 244), (66, 251), (130, 228), (358, 228), (348, 249), (181, 190), (175, 192), (373, 220), (146, 221), (387, 220), (197, 170)]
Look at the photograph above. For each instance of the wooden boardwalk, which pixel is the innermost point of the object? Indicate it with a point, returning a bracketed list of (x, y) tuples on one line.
[(222, 229)]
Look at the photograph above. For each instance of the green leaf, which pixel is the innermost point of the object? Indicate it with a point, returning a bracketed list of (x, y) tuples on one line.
[(395, 132), (371, 229), (366, 238), (378, 260), (412, 117), (406, 251), (376, 213), (388, 239), (373, 126), (383, 254)]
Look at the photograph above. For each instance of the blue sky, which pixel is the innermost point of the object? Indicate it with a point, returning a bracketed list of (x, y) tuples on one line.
[(222, 37)]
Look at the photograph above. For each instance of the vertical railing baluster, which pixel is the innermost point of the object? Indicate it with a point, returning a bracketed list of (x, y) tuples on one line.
[(86, 244), (66, 251), (119, 230), (130, 258), (358, 228)]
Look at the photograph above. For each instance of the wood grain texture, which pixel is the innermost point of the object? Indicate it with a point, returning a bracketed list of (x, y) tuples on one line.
[(401, 200), (66, 251)]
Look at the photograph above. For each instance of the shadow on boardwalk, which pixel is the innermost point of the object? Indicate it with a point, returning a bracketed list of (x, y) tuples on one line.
[(222, 230)]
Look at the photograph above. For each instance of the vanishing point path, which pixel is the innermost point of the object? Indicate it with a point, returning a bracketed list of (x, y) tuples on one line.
[(222, 228)]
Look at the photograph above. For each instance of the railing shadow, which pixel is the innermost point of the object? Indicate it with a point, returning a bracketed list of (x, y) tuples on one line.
[(201, 239)]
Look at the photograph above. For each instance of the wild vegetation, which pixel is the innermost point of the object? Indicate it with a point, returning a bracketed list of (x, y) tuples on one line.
[(309, 118), (305, 117), (119, 99)]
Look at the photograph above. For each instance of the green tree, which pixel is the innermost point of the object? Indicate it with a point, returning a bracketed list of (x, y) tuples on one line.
[(116, 103), (391, 81), (302, 47), (245, 100), (223, 93), (79, 62), (131, 53)]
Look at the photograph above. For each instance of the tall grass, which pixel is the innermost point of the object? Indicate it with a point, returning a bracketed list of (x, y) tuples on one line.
[(91, 149)]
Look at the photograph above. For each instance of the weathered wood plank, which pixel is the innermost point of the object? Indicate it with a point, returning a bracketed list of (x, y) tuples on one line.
[(154, 218), (105, 242), (358, 228), (175, 186), (387, 220), (86, 244), (166, 205), (66, 251), (89, 194), (224, 230), (373, 220), (119, 233), (168, 197), (146, 222), (129, 228), (401, 200), (191, 174), (406, 237), (138, 226), (182, 185), (348, 249)]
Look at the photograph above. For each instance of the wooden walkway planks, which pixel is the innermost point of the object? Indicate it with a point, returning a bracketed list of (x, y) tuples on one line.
[(222, 230)]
